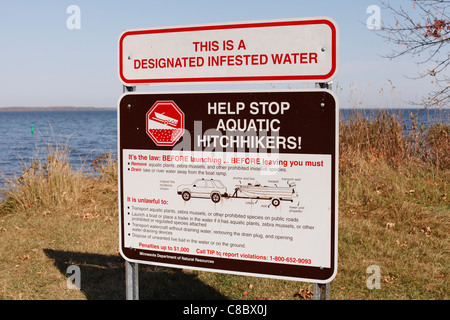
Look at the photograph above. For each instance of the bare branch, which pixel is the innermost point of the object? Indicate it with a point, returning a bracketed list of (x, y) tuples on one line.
[(423, 32)]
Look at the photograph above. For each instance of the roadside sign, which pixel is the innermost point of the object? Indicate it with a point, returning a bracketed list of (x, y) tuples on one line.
[(249, 187), (271, 50)]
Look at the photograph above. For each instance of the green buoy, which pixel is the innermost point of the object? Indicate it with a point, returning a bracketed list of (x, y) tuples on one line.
[(32, 129)]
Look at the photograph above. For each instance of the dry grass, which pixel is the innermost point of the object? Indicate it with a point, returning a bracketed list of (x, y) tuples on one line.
[(394, 208), (394, 213)]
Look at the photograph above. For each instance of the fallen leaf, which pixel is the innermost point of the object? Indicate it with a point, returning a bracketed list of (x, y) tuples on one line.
[(388, 279), (25, 257), (88, 216), (426, 231), (304, 293), (401, 244), (390, 225)]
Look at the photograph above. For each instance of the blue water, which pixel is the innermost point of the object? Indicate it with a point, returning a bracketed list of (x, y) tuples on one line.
[(87, 133), (91, 133)]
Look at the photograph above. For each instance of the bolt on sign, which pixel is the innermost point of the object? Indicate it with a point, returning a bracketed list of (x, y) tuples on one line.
[(246, 185), (283, 50)]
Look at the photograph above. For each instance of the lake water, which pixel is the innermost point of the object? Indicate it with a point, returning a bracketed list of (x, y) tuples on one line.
[(91, 133), (88, 134)]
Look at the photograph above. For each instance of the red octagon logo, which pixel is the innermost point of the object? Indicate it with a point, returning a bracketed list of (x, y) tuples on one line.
[(165, 123)]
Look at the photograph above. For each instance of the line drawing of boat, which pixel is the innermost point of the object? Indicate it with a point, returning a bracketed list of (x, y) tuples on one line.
[(215, 190), (162, 118), (273, 193)]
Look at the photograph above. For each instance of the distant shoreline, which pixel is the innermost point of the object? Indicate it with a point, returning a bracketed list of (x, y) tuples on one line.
[(61, 108), (53, 109)]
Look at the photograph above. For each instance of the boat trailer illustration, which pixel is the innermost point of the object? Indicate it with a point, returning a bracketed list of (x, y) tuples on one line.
[(162, 118), (215, 190), (273, 193)]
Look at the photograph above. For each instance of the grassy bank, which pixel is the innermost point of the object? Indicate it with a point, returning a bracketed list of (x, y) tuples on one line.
[(394, 209)]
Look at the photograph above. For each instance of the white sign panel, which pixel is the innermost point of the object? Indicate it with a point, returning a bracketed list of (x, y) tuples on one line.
[(285, 50), (214, 205)]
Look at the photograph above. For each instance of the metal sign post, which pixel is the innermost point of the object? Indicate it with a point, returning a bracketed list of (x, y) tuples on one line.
[(321, 291), (131, 268), (132, 280)]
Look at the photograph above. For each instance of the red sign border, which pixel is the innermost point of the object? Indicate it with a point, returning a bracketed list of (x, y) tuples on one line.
[(182, 120), (318, 78)]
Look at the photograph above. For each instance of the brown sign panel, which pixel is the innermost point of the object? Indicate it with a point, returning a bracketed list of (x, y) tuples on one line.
[(246, 186)]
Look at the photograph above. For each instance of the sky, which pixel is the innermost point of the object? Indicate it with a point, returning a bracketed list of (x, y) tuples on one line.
[(44, 63)]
